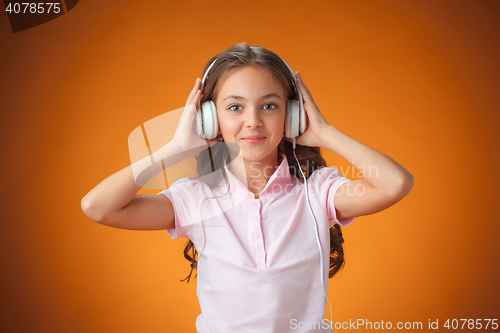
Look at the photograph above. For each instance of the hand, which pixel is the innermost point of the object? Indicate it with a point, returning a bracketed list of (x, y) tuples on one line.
[(185, 137), (315, 120)]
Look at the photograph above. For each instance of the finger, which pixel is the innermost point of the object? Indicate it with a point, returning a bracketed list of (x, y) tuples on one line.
[(301, 82), (306, 95), (197, 98), (196, 88), (193, 91), (192, 107), (194, 99), (298, 78)]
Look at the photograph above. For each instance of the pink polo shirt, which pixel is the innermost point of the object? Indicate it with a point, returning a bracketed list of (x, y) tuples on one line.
[(259, 269)]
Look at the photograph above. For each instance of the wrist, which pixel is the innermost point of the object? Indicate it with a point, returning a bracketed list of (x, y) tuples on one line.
[(323, 134), (171, 154)]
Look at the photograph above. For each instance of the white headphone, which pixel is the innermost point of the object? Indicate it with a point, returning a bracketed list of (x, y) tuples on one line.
[(295, 118)]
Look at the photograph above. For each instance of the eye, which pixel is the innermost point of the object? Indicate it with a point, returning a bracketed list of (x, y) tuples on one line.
[(230, 107), (274, 106)]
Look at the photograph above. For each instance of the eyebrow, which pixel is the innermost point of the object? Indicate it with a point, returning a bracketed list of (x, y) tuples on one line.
[(263, 97)]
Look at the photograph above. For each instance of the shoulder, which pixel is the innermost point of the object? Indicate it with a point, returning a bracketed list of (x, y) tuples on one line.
[(325, 182), (183, 187), (324, 173), (192, 182), (192, 190)]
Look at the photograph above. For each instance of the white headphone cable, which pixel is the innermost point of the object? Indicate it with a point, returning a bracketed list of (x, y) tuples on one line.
[(317, 237)]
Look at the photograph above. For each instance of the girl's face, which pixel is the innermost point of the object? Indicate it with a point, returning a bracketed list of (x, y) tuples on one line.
[(251, 102)]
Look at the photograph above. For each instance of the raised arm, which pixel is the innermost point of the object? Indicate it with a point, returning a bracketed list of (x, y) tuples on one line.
[(386, 182), (115, 202)]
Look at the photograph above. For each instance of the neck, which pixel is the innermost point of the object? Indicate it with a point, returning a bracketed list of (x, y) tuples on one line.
[(255, 174)]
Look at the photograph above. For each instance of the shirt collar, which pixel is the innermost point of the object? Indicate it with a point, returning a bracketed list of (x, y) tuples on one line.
[(279, 178)]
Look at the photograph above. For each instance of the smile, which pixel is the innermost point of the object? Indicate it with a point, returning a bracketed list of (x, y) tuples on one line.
[(253, 140)]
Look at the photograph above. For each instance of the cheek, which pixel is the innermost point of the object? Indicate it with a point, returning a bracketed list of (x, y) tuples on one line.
[(225, 123), (281, 121), (220, 119)]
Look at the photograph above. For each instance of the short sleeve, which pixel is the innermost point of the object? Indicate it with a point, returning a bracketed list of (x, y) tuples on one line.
[(179, 230), (182, 194), (326, 182)]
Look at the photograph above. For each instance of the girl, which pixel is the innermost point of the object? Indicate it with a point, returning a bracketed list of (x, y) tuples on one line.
[(253, 223)]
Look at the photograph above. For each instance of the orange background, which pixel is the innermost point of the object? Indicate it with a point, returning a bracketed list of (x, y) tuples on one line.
[(417, 80)]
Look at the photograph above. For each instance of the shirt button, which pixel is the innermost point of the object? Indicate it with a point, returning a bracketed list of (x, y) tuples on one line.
[(261, 254), (258, 235), (255, 205), (256, 219)]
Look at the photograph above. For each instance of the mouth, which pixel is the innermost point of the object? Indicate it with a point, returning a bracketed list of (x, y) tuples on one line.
[(254, 139)]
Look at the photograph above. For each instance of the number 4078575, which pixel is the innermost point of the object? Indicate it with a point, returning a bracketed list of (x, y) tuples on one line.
[(33, 7)]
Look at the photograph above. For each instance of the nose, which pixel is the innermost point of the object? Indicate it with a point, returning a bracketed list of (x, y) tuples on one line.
[(253, 117)]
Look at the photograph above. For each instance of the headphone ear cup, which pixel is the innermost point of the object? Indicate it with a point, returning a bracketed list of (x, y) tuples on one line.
[(215, 121), (292, 119), (302, 120), (210, 122)]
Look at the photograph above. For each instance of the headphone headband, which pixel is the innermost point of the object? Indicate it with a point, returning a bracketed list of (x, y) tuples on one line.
[(295, 121), (299, 95)]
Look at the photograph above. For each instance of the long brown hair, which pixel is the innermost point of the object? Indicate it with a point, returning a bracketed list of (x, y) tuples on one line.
[(214, 158)]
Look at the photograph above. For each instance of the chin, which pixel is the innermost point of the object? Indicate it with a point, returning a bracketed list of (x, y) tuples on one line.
[(251, 156), (254, 156)]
